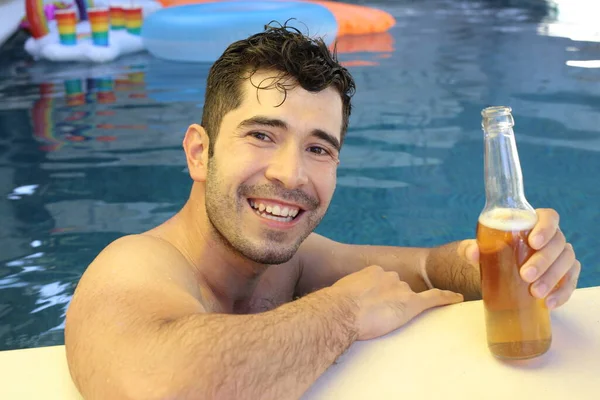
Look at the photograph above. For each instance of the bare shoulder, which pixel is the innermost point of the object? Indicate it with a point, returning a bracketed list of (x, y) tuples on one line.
[(134, 285), (139, 259), (137, 275)]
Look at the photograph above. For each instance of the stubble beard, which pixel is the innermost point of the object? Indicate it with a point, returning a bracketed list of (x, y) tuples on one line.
[(269, 250)]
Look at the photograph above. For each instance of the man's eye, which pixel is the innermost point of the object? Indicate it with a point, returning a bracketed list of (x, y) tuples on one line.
[(260, 136), (318, 150)]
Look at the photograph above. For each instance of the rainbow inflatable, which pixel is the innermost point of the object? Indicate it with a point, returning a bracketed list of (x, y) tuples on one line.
[(36, 17), (191, 30), (87, 35)]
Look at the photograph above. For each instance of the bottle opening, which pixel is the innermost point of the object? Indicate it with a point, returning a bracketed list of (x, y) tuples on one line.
[(496, 119), (496, 111)]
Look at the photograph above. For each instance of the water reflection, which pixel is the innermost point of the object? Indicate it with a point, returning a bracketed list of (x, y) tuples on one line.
[(573, 19), (355, 157), (584, 64), (60, 116)]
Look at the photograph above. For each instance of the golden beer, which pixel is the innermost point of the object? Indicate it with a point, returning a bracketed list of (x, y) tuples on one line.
[(518, 324)]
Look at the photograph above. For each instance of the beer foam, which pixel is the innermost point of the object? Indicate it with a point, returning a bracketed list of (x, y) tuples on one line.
[(508, 219)]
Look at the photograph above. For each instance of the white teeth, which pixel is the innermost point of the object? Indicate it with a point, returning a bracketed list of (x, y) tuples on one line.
[(279, 211), (280, 219), (274, 218)]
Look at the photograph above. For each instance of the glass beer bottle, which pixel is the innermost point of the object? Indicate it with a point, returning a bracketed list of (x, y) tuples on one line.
[(517, 324)]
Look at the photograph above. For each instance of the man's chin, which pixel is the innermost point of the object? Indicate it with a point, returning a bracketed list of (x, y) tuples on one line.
[(270, 257), (271, 252)]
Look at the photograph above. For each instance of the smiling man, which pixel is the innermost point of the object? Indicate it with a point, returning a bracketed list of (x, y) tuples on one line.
[(235, 297)]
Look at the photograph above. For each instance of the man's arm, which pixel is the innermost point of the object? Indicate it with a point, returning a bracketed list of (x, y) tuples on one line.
[(324, 261), (138, 332), (554, 268), (137, 328), (448, 268)]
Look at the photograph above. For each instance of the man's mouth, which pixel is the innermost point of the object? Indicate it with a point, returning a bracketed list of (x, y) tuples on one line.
[(275, 211)]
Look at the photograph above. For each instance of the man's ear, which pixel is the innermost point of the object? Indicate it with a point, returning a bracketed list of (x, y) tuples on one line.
[(195, 144)]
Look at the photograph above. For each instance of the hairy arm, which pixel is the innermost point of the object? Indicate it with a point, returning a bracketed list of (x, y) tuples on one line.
[(273, 355), (136, 330), (448, 268), (324, 261)]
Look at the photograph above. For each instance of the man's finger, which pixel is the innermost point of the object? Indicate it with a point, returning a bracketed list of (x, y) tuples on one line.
[(468, 250), (565, 290), (436, 297), (542, 259), (472, 254), (545, 228), (563, 264)]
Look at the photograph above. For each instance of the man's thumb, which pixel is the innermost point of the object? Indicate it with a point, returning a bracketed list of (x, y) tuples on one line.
[(469, 250)]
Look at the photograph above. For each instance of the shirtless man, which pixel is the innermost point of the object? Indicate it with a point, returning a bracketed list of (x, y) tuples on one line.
[(226, 300)]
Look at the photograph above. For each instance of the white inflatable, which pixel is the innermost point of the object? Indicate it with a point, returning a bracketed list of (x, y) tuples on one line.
[(120, 42), (49, 47)]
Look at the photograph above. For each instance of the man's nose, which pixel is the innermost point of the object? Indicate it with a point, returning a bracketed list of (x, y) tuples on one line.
[(287, 167)]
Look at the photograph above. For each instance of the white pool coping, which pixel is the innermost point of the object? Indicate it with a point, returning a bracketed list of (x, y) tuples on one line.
[(440, 355)]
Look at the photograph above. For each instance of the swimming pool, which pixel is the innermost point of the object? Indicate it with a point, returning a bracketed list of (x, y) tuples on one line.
[(90, 153)]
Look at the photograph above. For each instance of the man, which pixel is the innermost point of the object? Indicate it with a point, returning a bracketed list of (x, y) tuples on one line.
[(234, 297)]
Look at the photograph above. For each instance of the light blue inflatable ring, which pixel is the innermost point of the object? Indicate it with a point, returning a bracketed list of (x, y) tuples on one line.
[(201, 32)]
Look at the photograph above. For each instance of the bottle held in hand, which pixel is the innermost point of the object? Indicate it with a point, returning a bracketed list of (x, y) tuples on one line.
[(517, 324)]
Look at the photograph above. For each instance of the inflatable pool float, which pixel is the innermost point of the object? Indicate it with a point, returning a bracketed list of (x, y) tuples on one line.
[(351, 19), (85, 33), (201, 32)]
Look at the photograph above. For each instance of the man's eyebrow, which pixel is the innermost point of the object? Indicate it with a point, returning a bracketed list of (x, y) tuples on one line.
[(278, 123), (265, 121), (332, 140)]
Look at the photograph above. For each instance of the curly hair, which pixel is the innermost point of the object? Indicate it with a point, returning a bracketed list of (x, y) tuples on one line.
[(306, 60)]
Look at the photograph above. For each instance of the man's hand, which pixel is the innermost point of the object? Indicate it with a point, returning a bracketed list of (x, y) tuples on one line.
[(553, 269), (384, 302)]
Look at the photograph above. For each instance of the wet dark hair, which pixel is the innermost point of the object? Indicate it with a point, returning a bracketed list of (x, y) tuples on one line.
[(281, 49)]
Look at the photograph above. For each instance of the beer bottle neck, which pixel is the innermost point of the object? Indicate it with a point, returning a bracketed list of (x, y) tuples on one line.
[(503, 176)]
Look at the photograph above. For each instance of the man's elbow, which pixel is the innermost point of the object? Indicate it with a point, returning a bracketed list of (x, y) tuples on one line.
[(171, 387), (132, 386), (140, 383)]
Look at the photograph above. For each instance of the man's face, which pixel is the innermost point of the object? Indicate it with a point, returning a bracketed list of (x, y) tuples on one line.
[(273, 172)]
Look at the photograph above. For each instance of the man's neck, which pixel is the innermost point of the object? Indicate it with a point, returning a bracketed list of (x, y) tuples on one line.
[(230, 277)]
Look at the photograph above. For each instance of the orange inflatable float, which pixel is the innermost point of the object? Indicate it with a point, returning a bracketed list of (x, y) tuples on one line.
[(352, 19)]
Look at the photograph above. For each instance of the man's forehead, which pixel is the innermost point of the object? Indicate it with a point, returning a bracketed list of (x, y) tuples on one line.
[(269, 86), (272, 94), (269, 78)]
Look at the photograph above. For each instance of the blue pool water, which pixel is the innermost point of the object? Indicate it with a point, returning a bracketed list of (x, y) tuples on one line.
[(90, 153)]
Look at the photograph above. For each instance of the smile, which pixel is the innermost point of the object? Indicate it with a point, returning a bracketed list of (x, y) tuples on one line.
[(275, 211)]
